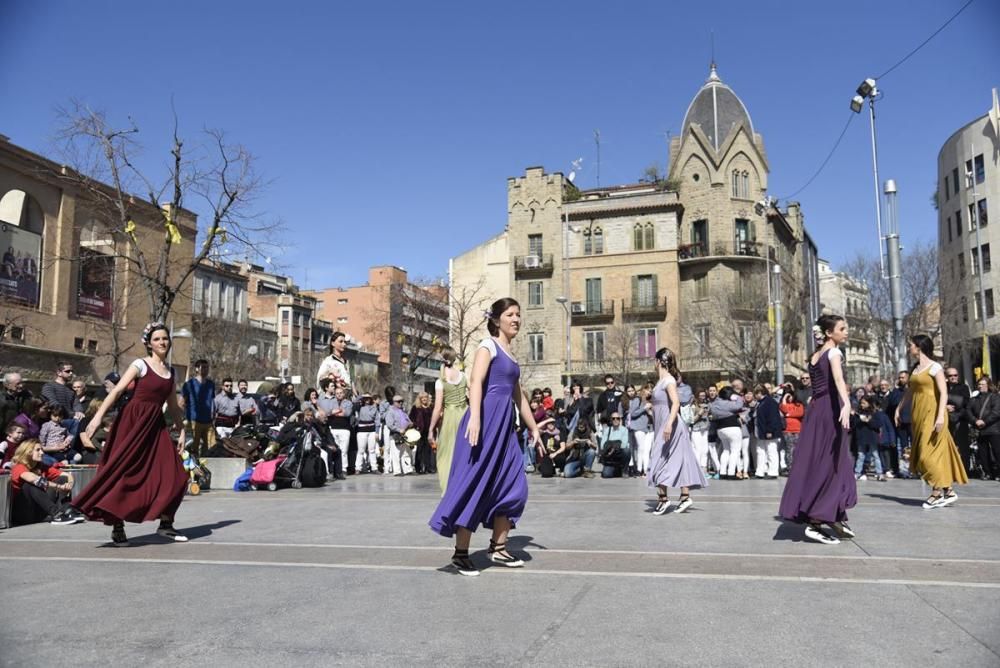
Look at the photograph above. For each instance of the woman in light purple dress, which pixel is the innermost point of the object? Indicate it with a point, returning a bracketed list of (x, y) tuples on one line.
[(487, 485), (673, 462)]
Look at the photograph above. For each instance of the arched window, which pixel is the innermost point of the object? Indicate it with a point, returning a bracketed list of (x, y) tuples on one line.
[(21, 226), (736, 183), (638, 241), (598, 241), (745, 181), (643, 236), (650, 233)]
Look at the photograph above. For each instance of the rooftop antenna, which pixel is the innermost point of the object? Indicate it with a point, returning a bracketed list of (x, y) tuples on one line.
[(711, 38), (597, 140)]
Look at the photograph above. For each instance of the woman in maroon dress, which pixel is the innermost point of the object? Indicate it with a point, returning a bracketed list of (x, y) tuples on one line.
[(140, 476)]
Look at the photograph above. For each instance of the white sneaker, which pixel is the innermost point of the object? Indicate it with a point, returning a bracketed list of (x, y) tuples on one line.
[(862, 477), (817, 534), (948, 499), (684, 504), (933, 502)]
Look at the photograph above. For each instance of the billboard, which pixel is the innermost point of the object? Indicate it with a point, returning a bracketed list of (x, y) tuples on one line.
[(96, 291), (19, 271)]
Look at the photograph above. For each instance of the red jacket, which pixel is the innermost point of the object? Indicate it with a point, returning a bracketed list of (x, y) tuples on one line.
[(793, 413)]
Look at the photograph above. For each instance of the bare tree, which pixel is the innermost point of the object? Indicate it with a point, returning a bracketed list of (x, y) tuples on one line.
[(923, 309), (410, 320), (235, 349), (146, 214), (621, 351), (466, 304)]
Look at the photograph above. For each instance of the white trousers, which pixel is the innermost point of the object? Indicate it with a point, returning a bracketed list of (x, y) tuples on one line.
[(744, 454), (342, 437), (401, 455), (704, 450), (367, 446), (643, 446), (766, 450), (731, 439)]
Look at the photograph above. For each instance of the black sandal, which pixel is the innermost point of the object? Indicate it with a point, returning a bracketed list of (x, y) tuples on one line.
[(463, 564), (499, 555), (118, 537), (662, 504)]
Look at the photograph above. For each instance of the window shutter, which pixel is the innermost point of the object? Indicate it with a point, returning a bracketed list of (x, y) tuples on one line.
[(753, 231), (635, 290), (656, 293), (650, 236)]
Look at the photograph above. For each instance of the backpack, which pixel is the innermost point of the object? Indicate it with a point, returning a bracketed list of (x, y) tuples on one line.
[(313, 472)]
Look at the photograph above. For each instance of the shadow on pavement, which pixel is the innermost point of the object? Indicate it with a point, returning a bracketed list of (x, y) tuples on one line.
[(904, 501), (788, 531), (193, 533)]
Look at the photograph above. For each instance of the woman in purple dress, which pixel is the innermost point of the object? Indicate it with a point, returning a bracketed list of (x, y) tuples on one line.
[(673, 462), (487, 485), (821, 485)]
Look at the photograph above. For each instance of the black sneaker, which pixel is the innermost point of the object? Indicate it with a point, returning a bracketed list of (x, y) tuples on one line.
[(64, 518)]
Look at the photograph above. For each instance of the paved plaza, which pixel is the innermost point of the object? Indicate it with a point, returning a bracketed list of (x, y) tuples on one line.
[(351, 575)]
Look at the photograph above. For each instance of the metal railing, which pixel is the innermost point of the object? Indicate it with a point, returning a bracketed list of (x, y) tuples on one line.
[(735, 248)]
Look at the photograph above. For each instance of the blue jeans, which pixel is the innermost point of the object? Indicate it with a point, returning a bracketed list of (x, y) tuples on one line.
[(528, 452), (575, 467), (865, 451), (902, 442)]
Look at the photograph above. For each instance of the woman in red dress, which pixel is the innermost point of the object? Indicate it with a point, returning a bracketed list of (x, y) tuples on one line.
[(140, 476)]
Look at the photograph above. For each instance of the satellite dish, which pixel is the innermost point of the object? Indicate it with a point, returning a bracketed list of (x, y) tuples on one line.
[(572, 175), (252, 350)]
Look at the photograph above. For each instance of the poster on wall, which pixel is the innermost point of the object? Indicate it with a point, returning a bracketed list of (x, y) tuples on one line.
[(96, 291), (19, 277)]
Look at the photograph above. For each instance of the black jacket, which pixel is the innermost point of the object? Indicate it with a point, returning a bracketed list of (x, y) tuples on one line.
[(767, 418), (991, 414), (958, 396)]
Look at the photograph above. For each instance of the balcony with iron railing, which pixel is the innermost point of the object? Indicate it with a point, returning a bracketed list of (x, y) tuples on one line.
[(593, 311), (533, 266), (737, 248), (639, 309)]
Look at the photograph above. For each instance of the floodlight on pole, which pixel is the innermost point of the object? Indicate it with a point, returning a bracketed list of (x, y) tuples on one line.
[(868, 89)]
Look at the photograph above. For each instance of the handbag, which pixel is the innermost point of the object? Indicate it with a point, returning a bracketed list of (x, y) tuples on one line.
[(611, 452), (973, 429)]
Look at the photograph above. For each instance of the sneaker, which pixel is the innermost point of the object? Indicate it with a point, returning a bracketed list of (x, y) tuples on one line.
[(506, 560), (661, 507), (889, 475), (715, 476), (817, 534), (843, 530), (880, 478), (588, 474), (933, 502), (948, 499), (862, 477), (463, 564), (65, 517), (684, 504), (168, 531)]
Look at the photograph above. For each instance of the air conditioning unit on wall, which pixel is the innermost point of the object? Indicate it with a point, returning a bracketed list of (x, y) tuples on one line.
[(578, 307), (532, 262)]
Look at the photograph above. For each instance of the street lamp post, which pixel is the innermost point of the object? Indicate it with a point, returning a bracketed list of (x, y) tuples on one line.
[(182, 333), (869, 90), (779, 351), (563, 302)]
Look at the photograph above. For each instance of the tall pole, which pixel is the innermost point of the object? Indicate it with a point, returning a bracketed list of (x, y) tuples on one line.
[(779, 350), (895, 275), (878, 194), (974, 219)]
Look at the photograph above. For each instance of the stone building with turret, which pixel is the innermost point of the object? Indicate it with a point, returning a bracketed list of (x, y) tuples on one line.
[(608, 275)]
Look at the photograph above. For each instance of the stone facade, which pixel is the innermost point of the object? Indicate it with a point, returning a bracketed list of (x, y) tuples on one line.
[(968, 196), (79, 302), (627, 269), (847, 296)]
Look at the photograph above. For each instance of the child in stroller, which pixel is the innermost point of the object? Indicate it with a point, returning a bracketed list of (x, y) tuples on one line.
[(294, 432)]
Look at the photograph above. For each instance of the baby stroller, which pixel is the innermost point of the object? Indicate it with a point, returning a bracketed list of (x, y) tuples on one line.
[(246, 441), (299, 464)]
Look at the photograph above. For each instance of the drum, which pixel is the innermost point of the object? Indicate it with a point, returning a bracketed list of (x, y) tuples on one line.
[(411, 435)]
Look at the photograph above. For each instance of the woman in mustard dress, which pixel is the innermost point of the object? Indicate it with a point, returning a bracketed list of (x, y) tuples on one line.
[(933, 454), (450, 401)]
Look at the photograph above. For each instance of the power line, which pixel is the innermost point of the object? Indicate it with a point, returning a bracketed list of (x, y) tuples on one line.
[(881, 76), (828, 156), (924, 43)]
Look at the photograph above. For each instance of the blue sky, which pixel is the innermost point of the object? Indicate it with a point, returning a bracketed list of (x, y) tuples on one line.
[(388, 130)]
